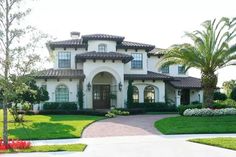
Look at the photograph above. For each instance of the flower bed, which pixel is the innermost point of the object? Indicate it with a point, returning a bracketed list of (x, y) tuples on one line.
[(209, 112), (15, 144)]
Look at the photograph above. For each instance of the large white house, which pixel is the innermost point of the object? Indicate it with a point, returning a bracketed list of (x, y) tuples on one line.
[(103, 64)]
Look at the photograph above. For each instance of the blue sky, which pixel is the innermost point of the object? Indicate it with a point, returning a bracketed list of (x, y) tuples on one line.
[(158, 22)]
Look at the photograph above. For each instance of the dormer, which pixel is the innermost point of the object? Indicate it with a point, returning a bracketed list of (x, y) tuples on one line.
[(102, 42)]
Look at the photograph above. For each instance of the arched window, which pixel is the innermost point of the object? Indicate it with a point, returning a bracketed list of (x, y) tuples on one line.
[(149, 94), (135, 94), (102, 48), (62, 93)]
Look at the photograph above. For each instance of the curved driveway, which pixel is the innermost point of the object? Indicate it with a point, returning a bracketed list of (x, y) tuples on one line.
[(124, 126)]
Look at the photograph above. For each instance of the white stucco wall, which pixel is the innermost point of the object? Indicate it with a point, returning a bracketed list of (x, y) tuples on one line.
[(159, 87), (53, 83), (91, 69), (54, 56), (93, 45), (128, 69), (154, 65)]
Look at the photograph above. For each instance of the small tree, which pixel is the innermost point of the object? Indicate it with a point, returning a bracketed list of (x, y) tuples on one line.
[(233, 94), (130, 94), (17, 42)]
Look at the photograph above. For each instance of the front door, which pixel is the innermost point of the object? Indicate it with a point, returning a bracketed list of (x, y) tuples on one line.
[(185, 97), (101, 96)]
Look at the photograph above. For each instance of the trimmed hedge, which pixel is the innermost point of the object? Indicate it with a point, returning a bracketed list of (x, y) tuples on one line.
[(72, 112), (59, 106), (182, 108), (153, 107)]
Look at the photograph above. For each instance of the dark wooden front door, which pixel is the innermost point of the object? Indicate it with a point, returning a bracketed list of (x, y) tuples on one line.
[(185, 97), (101, 96)]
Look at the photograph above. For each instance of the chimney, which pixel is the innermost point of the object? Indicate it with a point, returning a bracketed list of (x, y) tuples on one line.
[(75, 35)]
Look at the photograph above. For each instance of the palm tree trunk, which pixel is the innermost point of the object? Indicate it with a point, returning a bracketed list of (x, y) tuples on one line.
[(209, 81)]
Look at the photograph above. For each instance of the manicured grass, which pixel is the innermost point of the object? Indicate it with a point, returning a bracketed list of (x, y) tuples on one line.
[(50, 148), (49, 126), (223, 142), (197, 125)]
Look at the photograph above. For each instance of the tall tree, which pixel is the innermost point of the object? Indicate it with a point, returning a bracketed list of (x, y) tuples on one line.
[(228, 86), (17, 41), (212, 49)]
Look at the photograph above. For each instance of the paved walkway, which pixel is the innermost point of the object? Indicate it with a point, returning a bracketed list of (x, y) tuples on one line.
[(137, 146), (124, 126)]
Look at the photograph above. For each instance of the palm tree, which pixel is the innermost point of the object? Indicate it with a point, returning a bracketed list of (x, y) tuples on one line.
[(212, 49)]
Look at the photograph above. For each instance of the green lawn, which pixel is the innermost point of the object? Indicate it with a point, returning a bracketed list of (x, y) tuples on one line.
[(223, 142), (197, 125), (50, 148), (49, 126)]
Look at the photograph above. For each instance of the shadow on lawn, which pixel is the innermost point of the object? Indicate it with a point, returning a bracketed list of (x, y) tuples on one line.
[(44, 130), (73, 118)]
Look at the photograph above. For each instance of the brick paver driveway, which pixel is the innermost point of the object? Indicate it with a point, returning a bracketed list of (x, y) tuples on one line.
[(124, 126)]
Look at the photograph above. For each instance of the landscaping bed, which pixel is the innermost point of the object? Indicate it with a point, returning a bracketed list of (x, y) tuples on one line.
[(197, 125), (223, 142)]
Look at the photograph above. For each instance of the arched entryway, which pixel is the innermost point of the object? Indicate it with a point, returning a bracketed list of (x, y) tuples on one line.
[(104, 90)]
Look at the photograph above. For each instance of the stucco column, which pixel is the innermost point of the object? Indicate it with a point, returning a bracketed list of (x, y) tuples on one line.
[(177, 97), (141, 93)]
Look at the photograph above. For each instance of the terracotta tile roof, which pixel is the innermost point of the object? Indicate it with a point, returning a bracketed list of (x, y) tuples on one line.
[(102, 37), (186, 82), (59, 73), (75, 43), (104, 56), (157, 52), (149, 76), (129, 44)]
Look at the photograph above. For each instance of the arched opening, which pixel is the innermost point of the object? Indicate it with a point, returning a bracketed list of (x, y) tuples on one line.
[(135, 94), (62, 93), (104, 88), (149, 94)]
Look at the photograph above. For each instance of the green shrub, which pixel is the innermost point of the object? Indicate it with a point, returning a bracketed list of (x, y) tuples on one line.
[(60, 106), (229, 102), (119, 112), (233, 94), (219, 96), (153, 107), (182, 108), (110, 115)]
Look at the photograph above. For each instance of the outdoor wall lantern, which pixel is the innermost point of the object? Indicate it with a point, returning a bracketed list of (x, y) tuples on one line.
[(89, 86), (120, 86), (179, 92)]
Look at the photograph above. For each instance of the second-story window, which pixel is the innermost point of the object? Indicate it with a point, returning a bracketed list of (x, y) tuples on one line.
[(64, 59), (165, 69), (102, 48), (137, 62), (181, 70)]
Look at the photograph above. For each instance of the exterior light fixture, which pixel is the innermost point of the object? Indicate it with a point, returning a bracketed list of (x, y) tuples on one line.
[(179, 92), (89, 86), (120, 86)]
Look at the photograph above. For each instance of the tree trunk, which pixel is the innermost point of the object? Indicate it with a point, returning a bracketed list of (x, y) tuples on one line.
[(5, 135), (6, 72), (209, 81)]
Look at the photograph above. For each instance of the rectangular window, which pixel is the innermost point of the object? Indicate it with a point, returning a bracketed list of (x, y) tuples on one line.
[(181, 70), (137, 62), (165, 69), (64, 59), (44, 87)]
